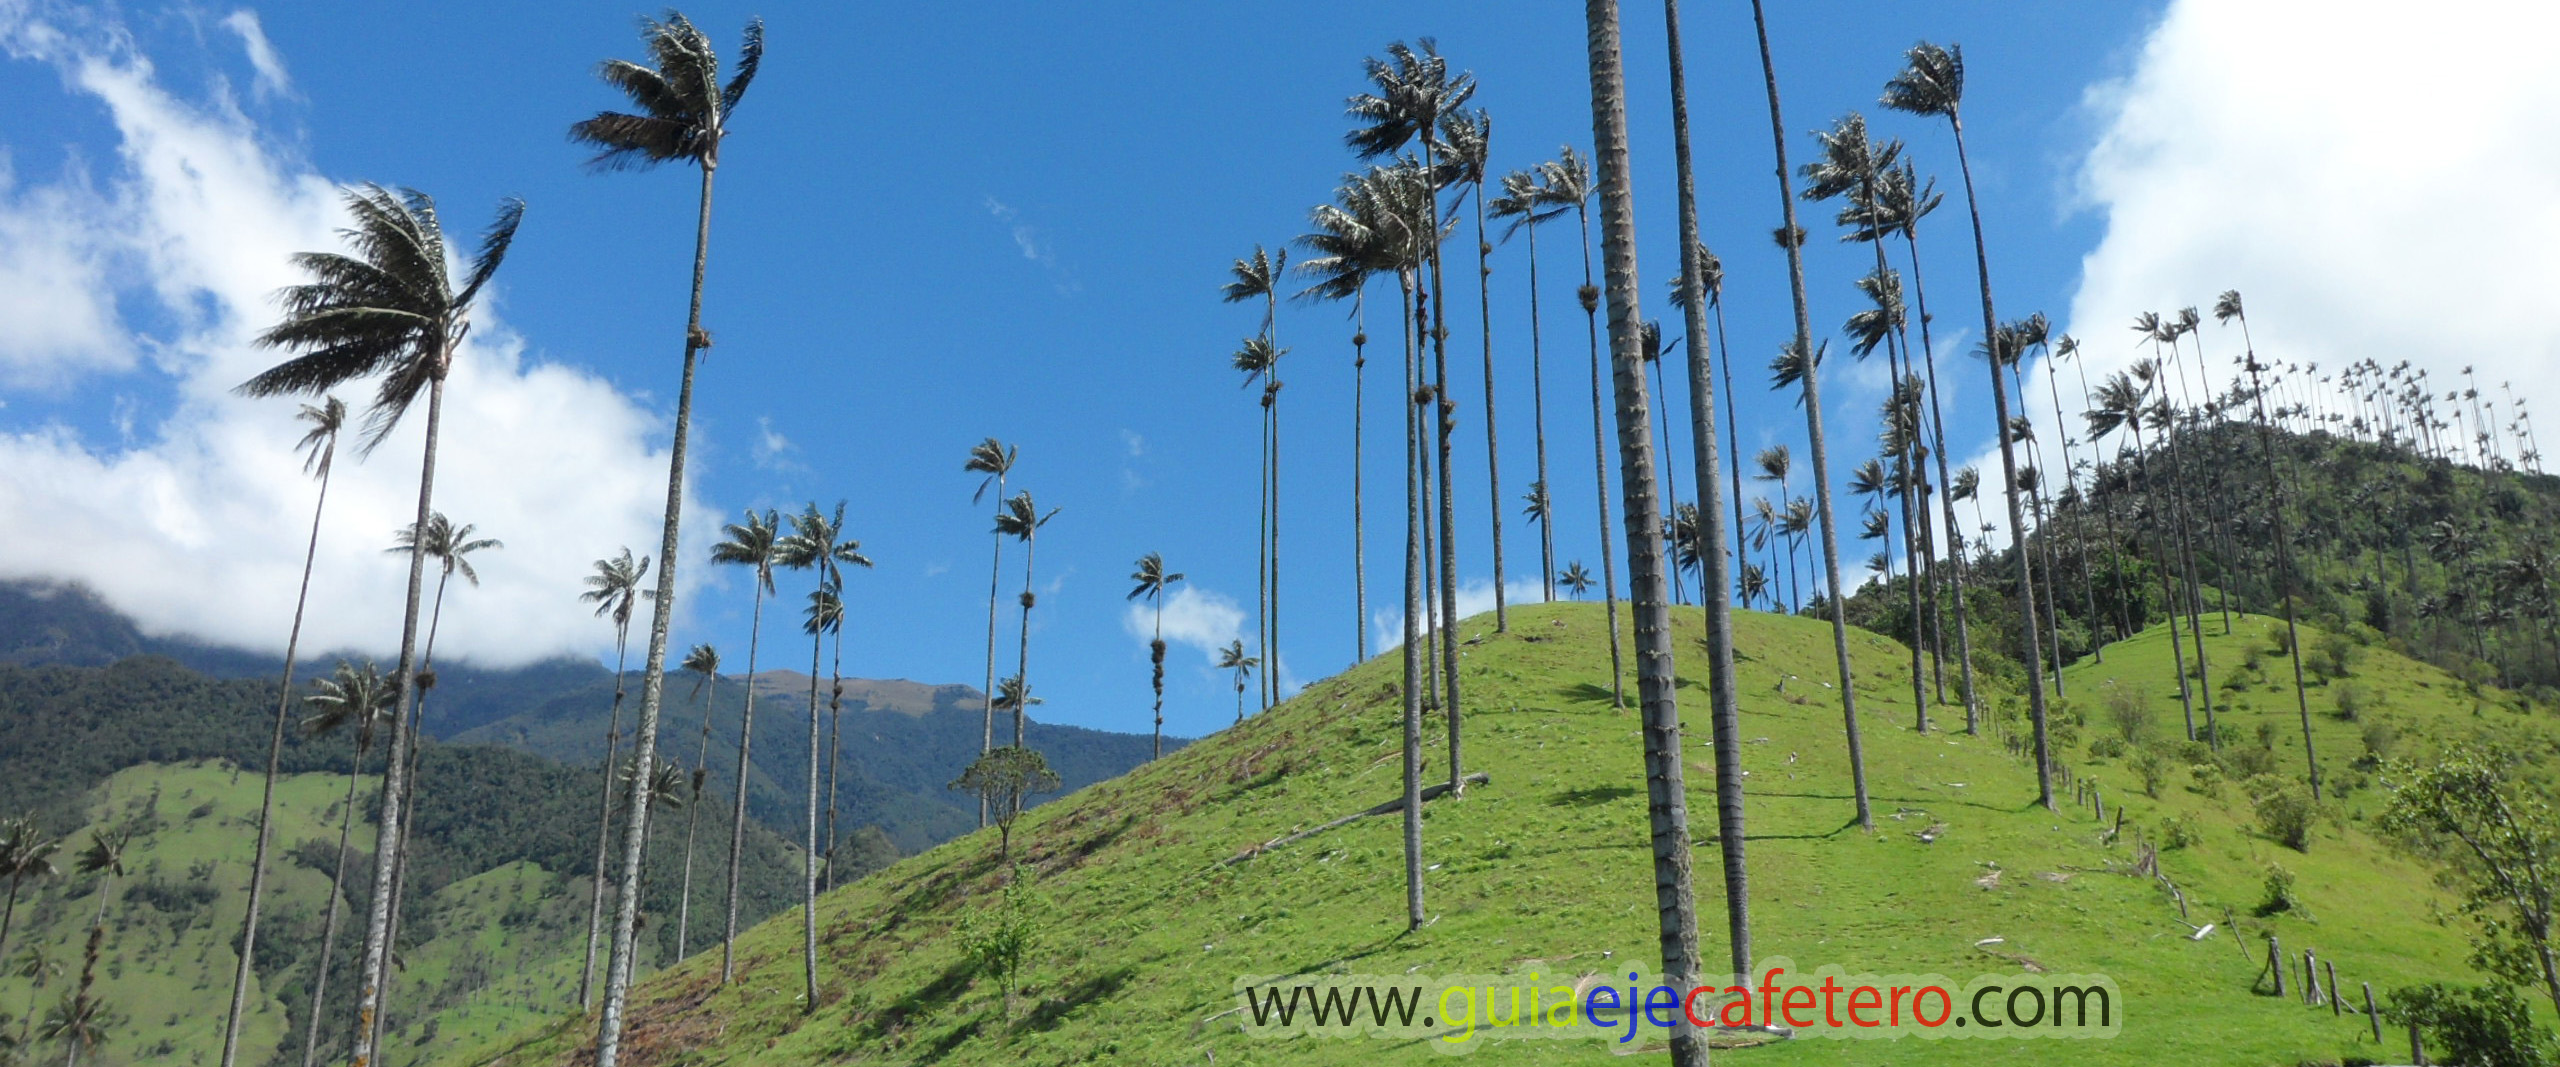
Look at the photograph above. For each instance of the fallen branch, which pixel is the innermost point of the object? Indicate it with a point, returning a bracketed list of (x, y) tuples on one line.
[(1396, 805)]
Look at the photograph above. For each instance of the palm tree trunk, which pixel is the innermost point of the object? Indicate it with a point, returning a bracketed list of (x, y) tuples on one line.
[(1733, 424), (2284, 553), (1813, 429), (746, 744), (1715, 581), (1022, 662), (1590, 295), (1271, 661), (267, 800), (377, 939), (809, 847), (1946, 500), (604, 833), (329, 926), (1415, 666), (1155, 653), (1667, 792), (417, 752), (2080, 529), (1261, 548), (995, 577), (1538, 426), (653, 676), (1445, 425), (1492, 449), (1359, 525), (693, 820), (2009, 471), (1670, 470), (835, 746)]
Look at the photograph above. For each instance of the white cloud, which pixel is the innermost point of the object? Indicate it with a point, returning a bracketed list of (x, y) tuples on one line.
[(196, 521), (1386, 628), (2363, 174), (57, 308), (772, 449), (1200, 618), (272, 79)]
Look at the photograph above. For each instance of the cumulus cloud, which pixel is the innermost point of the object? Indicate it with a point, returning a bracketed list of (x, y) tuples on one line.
[(1203, 619), (195, 522), (2364, 175), (1386, 628)]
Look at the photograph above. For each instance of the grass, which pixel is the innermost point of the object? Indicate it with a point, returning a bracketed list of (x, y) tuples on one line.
[(1546, 868)]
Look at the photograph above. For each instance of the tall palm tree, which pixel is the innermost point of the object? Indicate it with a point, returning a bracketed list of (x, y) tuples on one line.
[(1021, 520), (615, 591), (2227, 308), (1232, 658), (1932, 84), (1259, 360), (848, 553), (750, 544), (703, 662), (1794, 240), (1675, 901), (39, 968), (994, 459), (1469, 134), (1354, 238), (2124, 403), (1412, 95), (1568, 182), (1649, 340), (391, 309), (319, 446), (817, 543), (1777, 465), (77, 1021), (681, 114), (1711, 283), (1154, 584), (1527, 203), (1706, 543), (25, 852), (1259, 276), (361, 697)]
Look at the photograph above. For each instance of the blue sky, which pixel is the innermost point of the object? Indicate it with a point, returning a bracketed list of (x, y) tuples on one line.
[(939, 223)]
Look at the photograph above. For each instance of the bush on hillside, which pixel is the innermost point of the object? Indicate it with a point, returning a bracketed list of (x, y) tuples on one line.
[(2334, 655), (2379, 737), (2280, 896), (2285, 810), (2152, 768), (2130, 713), (2352, 701), (2179, 832), (2478, 1026)]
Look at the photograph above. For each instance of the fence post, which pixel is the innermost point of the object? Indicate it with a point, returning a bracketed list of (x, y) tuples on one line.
[(2371, 1014), (2275, 962), (2310, 980), (2337, 1006)]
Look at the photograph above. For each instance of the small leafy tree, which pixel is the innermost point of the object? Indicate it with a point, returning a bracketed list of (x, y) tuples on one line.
[(2504, 842), (1004, 778), (2284, 811), (998, 942), (2476, 1026)]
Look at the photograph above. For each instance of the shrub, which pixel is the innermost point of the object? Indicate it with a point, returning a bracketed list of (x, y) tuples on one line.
[(2130, 713), (2351, 700), (2106, 748), (2379, 738), (2279, 891), (2152, 768), (2279, 642), (2480, 1026), (2208, 778), (2254, 660), (2179, 832), (2245, 762), (2284, 810), (2335, 655)]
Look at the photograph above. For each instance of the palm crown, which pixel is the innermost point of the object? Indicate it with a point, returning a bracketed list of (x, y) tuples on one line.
[(615, 586), (751, 543), (1413, 89), (391, 308), (683, 110), (1151, 577), (992, 458), (451, 546), (1931, 82), (354, 696), (319, 445)]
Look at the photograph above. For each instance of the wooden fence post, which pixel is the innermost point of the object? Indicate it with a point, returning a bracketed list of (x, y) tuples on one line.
[(2337, 1004), (2310, 980), (2371, 1014), (2275, 962)]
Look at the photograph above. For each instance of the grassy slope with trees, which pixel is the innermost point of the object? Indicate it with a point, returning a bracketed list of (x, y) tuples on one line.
[(1143, 924)]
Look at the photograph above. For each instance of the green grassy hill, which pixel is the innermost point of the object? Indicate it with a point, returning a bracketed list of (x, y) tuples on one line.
[(1546, 868)]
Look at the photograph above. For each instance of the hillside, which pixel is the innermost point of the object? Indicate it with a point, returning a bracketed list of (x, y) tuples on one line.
[(1147, 925)]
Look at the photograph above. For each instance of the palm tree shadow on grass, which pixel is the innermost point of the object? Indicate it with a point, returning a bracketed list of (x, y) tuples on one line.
[(1053, 1011), (1591, 796), (1916, 802), (1588, 692)]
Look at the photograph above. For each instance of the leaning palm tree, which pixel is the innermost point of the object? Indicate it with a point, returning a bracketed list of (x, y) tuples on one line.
[(681, 115), (1932, 84), (1792, 236), (1259, 276), (1568, 182), (1665, 770), (1411, 97), (1706, 540), (319, 446), (994, 459), (1153, 582), (615, 591), (392, 308), (751, 544), (1021, 520), (1232, 658), (25, 852), (1468, 133), (1526, 204), (360, 697), (704, 664)]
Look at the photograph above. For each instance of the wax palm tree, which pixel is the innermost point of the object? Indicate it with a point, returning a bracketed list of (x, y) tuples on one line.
[(1932, 84), (817, 543), (2227, 308), (25, 852), (1469, 135), (1414, 92), (1777, 465), (1527, 202), (1538, 509), (614, 589), (1259, 360), (2124, 401), (392, 309), (1753, 584), (1650, 346), (995, 459), (681, 113), (847, 554), (1575, 579), (1567, 181), (1021, 520), (750, 544), (1154, 583), (79, 1021), (703, 662), (1258, 276), (1711, 284), (319, 447), (1354, 238), (1232, 658), (1902, 200), (39, 968), (363, 698), (1667, 793)]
